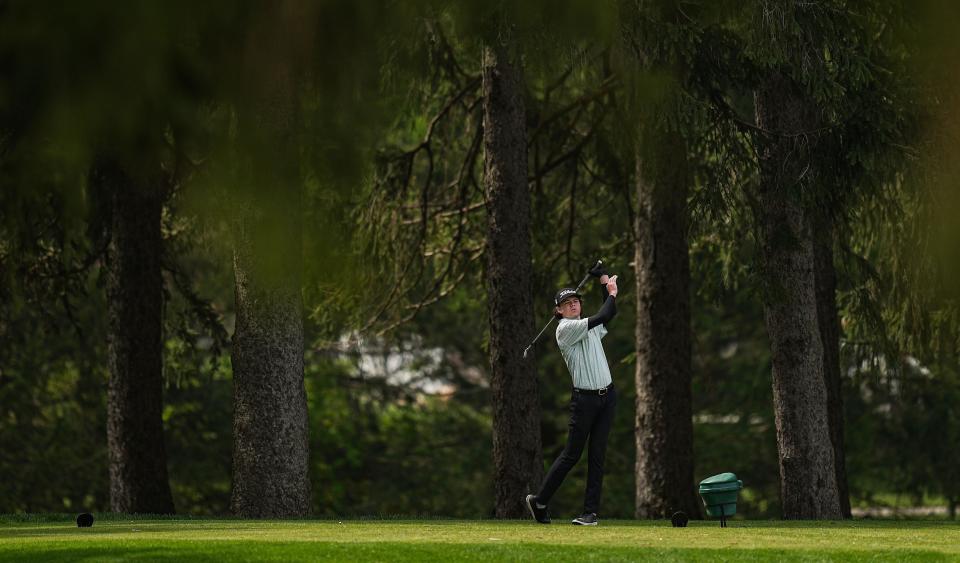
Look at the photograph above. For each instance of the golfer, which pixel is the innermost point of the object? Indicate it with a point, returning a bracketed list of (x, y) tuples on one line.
[(592, 400)]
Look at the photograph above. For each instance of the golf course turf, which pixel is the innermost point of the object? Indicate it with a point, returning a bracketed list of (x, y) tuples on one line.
[(117, 539)]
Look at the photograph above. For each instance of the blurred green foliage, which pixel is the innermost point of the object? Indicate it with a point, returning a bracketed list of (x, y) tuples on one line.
[(162, 83)]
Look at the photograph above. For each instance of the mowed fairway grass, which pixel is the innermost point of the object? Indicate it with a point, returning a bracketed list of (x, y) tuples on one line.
[(117, 539)]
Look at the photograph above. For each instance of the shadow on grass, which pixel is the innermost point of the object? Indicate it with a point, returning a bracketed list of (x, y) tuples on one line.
[(839, 524), (399, 551)]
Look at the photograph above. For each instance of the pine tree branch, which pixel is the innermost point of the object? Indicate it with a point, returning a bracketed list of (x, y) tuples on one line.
[(608, 85)]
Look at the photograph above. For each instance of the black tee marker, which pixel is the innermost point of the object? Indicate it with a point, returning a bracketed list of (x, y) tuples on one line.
[(85, 520)]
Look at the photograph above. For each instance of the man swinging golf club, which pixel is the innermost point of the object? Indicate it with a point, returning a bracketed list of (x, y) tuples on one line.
[(592, 401)]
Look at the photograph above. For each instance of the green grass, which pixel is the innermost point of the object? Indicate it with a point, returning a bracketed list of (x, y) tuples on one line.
[(55, 538)]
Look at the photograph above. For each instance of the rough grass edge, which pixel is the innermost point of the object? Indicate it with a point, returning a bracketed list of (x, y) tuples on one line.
[(56, 517)]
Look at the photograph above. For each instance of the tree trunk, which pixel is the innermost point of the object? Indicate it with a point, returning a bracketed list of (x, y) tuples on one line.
[(138, 462), (664, 418), (270, 422), (517, 459), (270, 449), (807, 473), (829, 323)]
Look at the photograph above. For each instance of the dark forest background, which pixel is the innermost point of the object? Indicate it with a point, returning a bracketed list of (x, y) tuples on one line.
[(214, 144)]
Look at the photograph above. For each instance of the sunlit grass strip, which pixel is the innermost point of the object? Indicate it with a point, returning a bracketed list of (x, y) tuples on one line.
[(455, 540)]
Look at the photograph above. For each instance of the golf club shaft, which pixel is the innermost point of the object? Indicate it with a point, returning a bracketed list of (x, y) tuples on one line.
[(553, 317)]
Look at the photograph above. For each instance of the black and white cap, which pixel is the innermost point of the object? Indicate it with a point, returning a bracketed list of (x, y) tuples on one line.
[(565, 293)]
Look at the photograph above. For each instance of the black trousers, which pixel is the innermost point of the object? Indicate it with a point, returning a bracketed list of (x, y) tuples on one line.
[(590, 419)]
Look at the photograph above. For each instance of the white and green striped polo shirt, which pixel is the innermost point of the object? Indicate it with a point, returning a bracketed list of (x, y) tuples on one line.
[(583, 352)]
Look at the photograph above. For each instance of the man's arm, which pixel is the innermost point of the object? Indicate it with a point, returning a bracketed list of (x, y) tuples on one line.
[(600, 273), (609, 308)]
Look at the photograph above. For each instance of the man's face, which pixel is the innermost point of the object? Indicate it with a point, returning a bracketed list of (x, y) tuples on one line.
[(569, 308)]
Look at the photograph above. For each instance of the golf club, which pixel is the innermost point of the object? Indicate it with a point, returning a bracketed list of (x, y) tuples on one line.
[(553, 317)]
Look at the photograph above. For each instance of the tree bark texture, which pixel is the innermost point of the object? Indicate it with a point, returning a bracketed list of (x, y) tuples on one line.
[(138, 462), (270, 433), (270, 422), (829, 322), (517, 459), (807, 473), (663, 377)]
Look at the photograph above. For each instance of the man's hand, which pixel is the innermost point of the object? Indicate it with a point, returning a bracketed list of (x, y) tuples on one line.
[(598, 272), (612, 286)]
